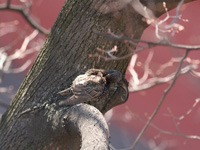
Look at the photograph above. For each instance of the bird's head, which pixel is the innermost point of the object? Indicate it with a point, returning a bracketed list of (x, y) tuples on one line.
[(116, 88), (113, 76)]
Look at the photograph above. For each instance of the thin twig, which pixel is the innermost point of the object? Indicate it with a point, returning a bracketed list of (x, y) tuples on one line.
[(26, 16), (8, 3), (178, 11), (190, 110), (112, 36), (146, 67), (197, 100), (160, 43), (174, 121), (138, 86), (161, 101), (196, 137)]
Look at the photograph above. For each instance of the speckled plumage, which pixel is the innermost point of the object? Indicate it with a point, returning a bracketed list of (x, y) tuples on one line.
[(90, 86)]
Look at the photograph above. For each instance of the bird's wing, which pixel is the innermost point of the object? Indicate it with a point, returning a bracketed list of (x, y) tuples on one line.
[(73, 100), (87, 92), (82, 95)]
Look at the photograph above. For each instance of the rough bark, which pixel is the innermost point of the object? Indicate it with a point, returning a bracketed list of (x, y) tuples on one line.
[(63, 57)]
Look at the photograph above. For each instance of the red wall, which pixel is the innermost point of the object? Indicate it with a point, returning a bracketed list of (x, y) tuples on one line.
[(179, 100)]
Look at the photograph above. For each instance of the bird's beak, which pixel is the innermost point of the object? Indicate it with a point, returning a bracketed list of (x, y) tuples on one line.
[(113, 76), (125, 92)]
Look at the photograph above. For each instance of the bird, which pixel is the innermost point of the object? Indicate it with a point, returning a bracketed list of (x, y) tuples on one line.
[(90, 86)]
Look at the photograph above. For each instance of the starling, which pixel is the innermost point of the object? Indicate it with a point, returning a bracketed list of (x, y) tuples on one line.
[(90, 86)]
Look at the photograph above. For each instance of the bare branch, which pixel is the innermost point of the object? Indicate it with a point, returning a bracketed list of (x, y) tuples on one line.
[(19, 52), (195, 73), (21, 10), (8, 27), (134, 76), (146, 67), (150, 43), (158, 80), (6, 61), (112, 36), (187, 113), (161, 130), (21, 68), (161, 101)]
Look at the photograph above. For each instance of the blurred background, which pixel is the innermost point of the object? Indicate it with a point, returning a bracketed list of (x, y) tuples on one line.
[(175, 127)]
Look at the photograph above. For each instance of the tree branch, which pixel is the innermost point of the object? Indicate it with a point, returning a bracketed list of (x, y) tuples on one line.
[(26, 16), (113, 37), (160, 80), (161, 101), (165, 132), (76, 127)]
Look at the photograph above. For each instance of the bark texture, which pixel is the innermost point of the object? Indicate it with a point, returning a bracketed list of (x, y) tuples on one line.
[(63, 57)]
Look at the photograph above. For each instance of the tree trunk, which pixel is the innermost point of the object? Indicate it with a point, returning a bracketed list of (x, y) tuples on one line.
[(34, 120)]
